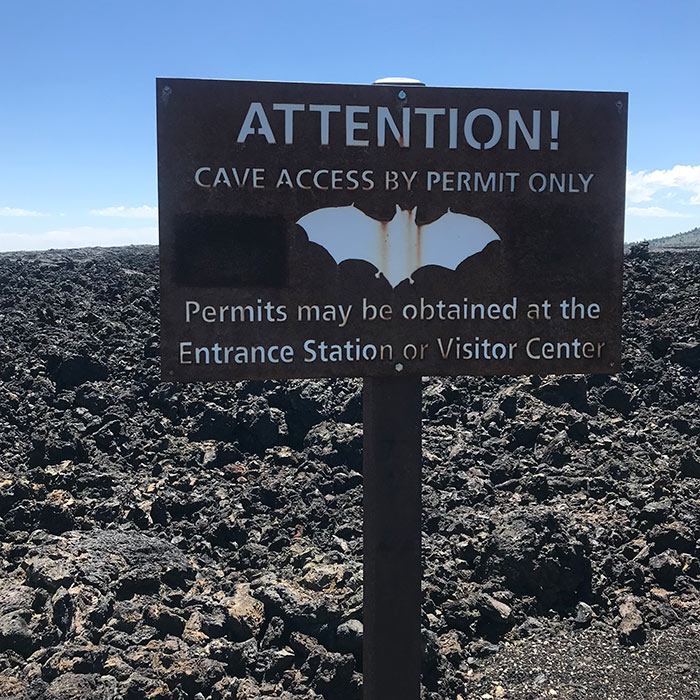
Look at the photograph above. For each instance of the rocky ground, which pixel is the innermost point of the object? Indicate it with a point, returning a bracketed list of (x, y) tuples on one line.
[(203, 542)]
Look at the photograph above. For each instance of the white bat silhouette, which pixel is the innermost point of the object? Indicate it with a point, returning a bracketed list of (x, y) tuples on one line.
[(399, 247)]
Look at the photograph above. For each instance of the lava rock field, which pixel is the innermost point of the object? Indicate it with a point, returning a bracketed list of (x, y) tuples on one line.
[(204, 541)]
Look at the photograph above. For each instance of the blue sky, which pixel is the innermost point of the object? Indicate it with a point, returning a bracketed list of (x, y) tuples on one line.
[(77, 113)]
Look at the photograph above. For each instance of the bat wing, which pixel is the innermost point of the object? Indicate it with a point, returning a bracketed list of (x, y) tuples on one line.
[(452, 239), (347, 234)]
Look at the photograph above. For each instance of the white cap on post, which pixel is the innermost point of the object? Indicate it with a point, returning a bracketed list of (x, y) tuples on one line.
[(399, 81)]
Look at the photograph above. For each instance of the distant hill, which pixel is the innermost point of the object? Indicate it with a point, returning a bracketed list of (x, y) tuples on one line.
[(689, 239)]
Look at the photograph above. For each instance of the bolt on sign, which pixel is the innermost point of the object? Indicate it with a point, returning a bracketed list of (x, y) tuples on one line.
[(311, 230)]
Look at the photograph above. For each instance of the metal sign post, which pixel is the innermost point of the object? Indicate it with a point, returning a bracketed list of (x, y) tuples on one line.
[(392, 538), (392, 572)]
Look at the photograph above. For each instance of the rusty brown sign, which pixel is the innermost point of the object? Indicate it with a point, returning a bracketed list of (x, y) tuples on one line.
[(311, 230)]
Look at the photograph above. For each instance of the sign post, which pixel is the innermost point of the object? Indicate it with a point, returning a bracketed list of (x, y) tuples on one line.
[(388, 232), (392, 538)]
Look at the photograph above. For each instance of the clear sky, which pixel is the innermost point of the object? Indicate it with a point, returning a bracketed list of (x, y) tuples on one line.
[(77, 111)]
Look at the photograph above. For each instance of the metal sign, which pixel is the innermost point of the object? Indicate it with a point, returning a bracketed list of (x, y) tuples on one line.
[(312, 230)]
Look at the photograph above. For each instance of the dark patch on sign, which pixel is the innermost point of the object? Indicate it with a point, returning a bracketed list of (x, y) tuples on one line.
[(220, 250)]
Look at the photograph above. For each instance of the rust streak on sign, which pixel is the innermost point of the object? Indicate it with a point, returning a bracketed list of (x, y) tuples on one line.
[(408, 242), (384, 244), (419, 246), (516, 267)]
